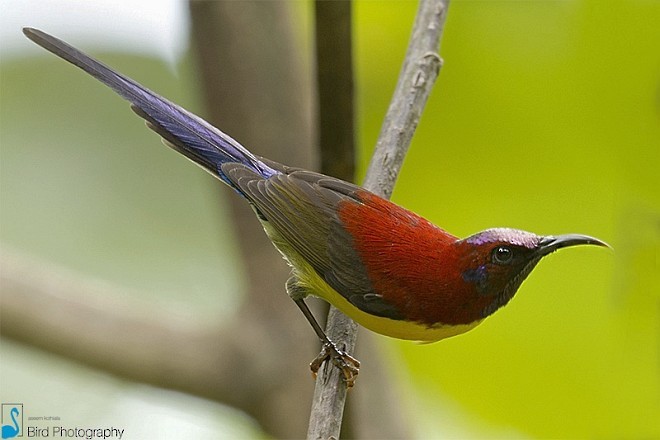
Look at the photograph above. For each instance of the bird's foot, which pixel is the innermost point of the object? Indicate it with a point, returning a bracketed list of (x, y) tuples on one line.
[(349, 366)]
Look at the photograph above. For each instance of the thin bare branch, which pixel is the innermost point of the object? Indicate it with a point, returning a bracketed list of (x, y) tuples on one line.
[(420, 69)]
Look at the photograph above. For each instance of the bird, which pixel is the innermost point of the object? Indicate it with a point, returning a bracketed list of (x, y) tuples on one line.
[(387, 268)]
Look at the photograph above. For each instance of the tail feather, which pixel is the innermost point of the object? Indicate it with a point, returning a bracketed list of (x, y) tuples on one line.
[(183, 131)]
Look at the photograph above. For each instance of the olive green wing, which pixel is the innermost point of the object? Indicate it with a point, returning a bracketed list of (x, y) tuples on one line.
[(302, 206)]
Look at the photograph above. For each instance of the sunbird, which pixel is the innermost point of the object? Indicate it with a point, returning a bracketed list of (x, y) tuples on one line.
[(384, 266)]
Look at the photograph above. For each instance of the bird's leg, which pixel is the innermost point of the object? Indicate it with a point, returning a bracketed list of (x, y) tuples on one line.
[(349, 366)]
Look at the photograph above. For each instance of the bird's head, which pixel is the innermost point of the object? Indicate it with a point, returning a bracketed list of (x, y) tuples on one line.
[(496, 261)]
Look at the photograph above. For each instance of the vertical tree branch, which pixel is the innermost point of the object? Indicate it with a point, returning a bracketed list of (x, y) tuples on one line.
[(334, 76), (420, 69), (334, 72)]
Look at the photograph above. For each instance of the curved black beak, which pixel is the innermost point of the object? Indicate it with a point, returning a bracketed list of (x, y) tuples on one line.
[(551, 243)]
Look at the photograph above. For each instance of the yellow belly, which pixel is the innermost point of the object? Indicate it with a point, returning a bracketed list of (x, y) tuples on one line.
[(389, 327)]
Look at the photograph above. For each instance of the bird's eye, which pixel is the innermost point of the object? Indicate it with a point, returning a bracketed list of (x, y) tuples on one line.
[(502, 255)]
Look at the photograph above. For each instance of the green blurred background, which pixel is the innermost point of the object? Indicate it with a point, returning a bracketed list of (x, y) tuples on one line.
[(545, 118)]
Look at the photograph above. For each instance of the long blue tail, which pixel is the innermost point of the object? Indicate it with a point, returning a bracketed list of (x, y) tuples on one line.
[(185, 132)]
